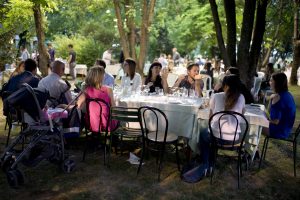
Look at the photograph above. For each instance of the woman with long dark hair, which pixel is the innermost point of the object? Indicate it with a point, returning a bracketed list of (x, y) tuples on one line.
[(282, 108), (154, 79), (229, 100), (131, 78)]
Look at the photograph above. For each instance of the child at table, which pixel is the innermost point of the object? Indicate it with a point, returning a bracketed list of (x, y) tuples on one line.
[(192, 80)]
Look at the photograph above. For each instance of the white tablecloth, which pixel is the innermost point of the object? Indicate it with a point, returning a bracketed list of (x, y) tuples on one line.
[(189, 120), (181, 116), (256, 118), (79, 69)]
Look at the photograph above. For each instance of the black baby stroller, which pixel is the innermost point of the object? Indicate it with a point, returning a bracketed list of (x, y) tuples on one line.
[(45, 140)]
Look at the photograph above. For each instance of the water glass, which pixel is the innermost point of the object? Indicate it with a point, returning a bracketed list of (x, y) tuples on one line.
[(205, 102), (146, 90), (157, 90), (174, 89), (192, 93), (185, 92), (161, 92)]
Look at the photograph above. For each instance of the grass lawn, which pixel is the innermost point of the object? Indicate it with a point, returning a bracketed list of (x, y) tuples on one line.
[(92, 180)]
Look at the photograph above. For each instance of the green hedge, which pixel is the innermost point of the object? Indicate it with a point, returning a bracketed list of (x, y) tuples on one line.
[(86, 48)]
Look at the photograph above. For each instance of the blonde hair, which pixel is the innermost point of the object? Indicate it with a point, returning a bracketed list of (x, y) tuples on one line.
[(94, 77)]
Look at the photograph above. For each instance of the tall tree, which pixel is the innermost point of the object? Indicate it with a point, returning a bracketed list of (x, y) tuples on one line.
[(250, 37), (229, 6), (40, 32), (257, 40), (296, 43), (218, 28), (128, 33)]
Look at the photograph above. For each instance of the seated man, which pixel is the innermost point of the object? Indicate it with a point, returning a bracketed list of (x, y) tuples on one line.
[(28, 76), (59, 90), (108, 78)]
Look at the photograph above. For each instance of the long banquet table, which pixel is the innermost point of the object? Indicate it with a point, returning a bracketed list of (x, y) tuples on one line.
[(187, 118)]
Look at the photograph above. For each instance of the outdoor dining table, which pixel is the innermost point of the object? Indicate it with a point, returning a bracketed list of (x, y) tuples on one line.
[(188, 118)]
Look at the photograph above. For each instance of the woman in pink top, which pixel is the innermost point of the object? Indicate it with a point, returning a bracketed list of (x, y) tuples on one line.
[(94, 89)]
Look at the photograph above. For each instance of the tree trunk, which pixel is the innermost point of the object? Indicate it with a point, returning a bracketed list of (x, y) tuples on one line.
[(147, 16), (258, 36), (267, 56), (296, 62), (122, 33), (218, 27), (296, 51), (244, 44), (129, 9), (229, 6), (39, 26)]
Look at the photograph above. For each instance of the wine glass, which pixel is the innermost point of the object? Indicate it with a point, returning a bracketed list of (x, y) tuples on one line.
[(146, 90), (174, 89)]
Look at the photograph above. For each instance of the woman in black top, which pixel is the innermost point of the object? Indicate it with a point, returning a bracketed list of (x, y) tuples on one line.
[(154, 79)]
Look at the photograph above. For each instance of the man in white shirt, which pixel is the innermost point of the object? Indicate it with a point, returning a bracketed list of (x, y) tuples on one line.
[(107, 56), (59, 90)]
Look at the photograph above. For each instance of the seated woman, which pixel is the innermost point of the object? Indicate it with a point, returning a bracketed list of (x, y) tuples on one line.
[(95, 89), (192, 80), (282, 108), (229, 100), (244, 90), (154, 79), (131, 78)]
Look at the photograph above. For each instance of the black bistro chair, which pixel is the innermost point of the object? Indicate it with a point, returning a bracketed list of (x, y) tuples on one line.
[(126, 132), (14, 116), (156, 137), (101, 133), (292, 139), (239, 122)]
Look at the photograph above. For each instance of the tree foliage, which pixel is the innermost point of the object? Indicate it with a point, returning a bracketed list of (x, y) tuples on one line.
[(91, 25)]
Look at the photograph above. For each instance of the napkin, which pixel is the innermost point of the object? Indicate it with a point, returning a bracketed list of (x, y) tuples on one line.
[(134, 160)]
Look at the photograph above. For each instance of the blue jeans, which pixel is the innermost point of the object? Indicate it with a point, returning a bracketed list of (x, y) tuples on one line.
[(204, 144)]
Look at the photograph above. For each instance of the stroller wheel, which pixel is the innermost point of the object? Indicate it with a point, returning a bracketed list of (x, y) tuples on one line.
[(12, 178), (68, 165), (7, 162)]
